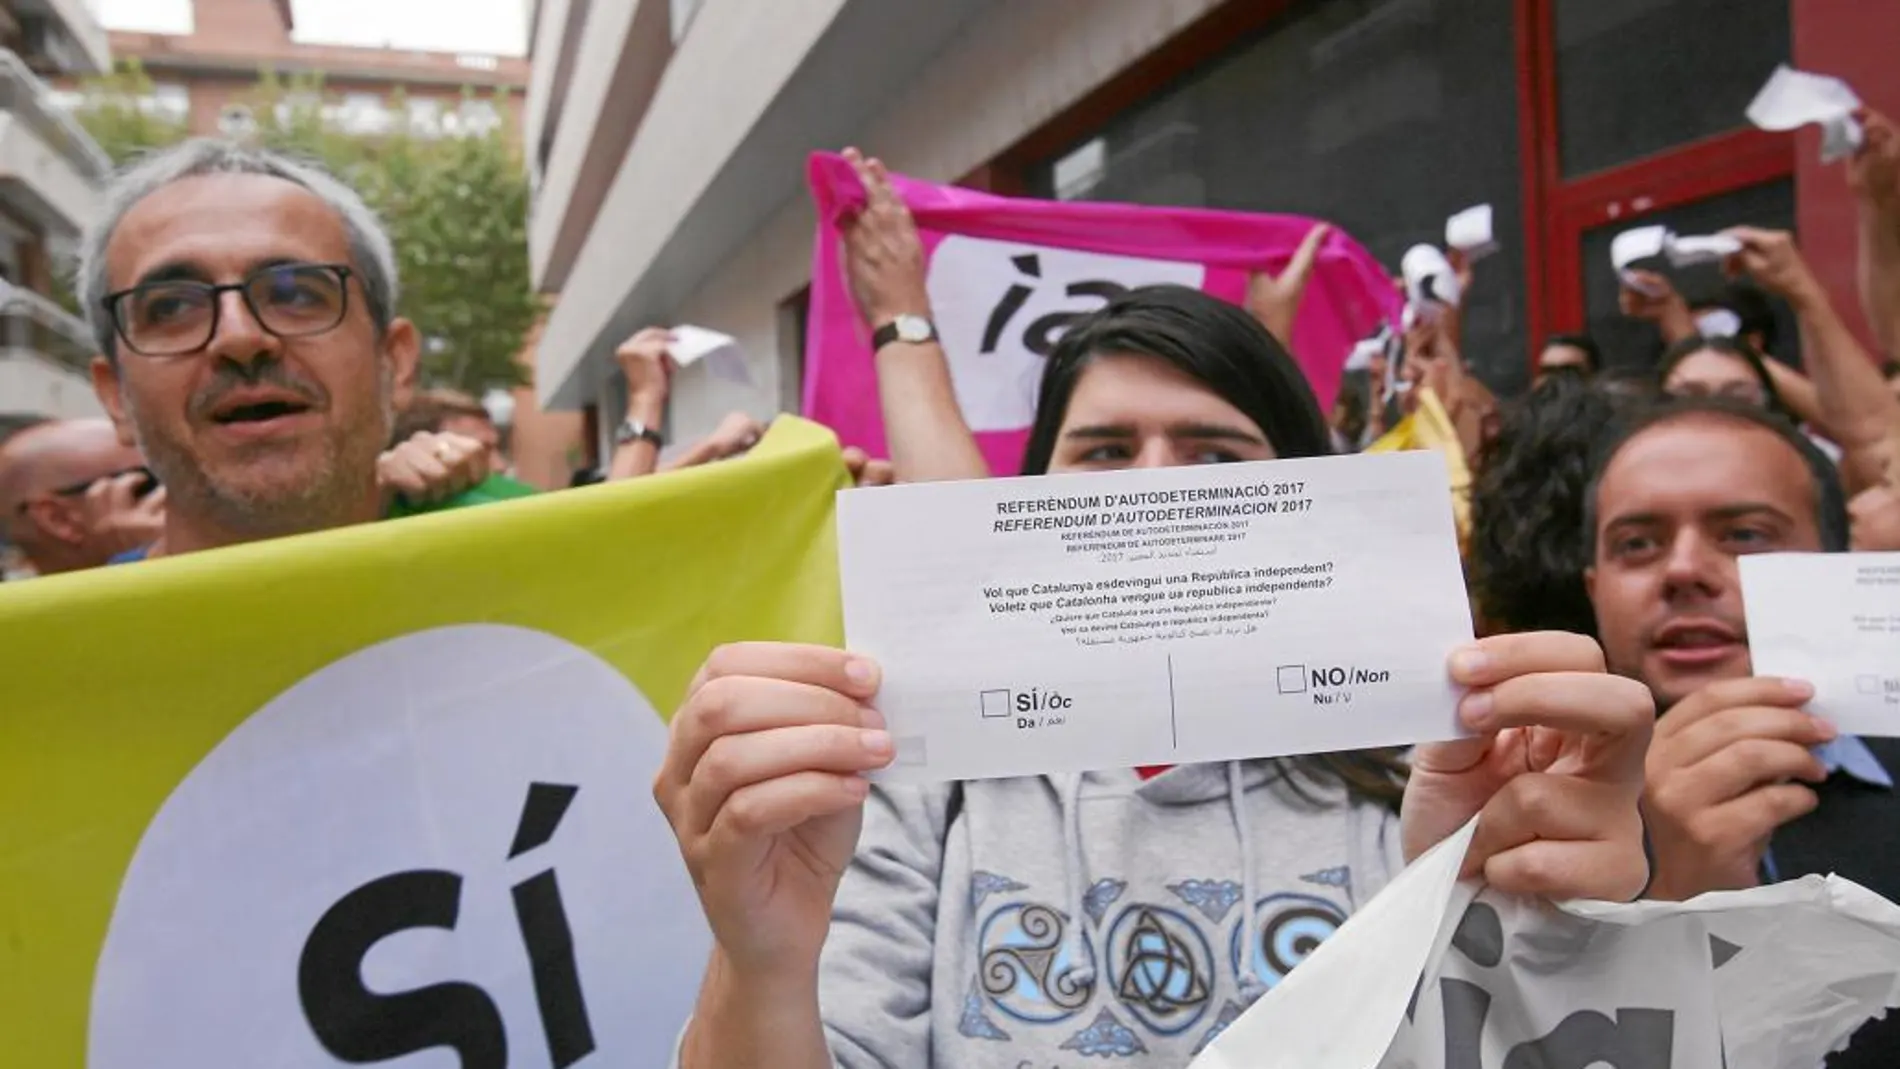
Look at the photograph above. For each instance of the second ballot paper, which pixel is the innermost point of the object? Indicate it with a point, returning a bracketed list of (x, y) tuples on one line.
[(1077, 622)]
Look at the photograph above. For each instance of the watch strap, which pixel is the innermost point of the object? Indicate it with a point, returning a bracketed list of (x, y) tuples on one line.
[(890, 332), (632, 430)]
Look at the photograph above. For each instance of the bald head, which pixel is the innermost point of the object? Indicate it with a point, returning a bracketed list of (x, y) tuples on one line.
[(42, 470), (59, 453)]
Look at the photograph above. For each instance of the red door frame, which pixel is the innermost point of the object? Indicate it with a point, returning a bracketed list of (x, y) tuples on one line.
[(1557, 211)]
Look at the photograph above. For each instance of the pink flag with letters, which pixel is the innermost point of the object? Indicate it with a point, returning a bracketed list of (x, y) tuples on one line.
[(1007, 274)]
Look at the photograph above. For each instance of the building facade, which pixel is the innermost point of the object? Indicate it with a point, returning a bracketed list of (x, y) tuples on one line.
[(50, 176), (667, 141), (206, 77)]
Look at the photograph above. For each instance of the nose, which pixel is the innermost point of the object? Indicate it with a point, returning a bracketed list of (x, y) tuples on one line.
[(1694, 566), (240, 338), (1157, 451)]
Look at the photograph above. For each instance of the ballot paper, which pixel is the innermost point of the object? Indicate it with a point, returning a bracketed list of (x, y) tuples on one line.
[(1074, 622), (1435, 973), (1634, 246), (721, 352), (1832, 619), (1429, 279), (1700, 249), (1470, 232), (1795, 98)]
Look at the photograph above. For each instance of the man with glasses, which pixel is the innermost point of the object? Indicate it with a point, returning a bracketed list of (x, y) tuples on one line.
[(244, 307), (72, 495)]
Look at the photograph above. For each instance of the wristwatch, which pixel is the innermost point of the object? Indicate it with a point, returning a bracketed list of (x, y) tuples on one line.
[(632, 430), (905, 328)]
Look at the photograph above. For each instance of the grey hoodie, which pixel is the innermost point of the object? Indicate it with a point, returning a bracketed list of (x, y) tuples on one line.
[(1058, 922)]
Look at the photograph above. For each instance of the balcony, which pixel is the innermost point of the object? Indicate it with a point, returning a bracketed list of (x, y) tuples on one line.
[(50, 170), (44, 352), (62, 36)]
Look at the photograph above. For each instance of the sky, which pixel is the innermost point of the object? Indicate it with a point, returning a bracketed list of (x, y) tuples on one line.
[(497, 27)]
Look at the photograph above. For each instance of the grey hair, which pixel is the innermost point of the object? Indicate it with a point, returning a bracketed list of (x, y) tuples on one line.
[(372, 255)]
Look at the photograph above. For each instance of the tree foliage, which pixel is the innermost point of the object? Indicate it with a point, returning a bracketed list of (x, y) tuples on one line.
[(456, 206)]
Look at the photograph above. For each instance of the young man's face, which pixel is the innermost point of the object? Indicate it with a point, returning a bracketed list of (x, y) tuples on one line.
[(1675, 507)]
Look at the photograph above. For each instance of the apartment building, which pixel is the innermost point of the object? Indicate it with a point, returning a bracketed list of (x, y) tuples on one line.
[(205, 67), (50, 175), (668, 138)]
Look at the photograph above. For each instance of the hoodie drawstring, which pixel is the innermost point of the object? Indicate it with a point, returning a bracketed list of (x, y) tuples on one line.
[(1250, 985), (1082, 973)]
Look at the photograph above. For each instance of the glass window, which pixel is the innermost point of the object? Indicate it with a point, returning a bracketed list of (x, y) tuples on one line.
[(295, 106), (479, 117), (169, 102), (363, 113), (1629, 343), (1635, 77), (1382, 116), (425, 116)]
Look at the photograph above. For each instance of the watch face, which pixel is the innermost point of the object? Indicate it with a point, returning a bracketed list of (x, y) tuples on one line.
[(913, 329)]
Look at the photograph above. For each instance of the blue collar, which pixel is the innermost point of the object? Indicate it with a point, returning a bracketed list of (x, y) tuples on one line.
[(1850, 755)]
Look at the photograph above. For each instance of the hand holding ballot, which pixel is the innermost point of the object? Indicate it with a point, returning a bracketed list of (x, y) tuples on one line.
[(1553, 776), (1727, 768)]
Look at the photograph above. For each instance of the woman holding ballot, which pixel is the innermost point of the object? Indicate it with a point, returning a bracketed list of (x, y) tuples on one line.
[(1131, 914)]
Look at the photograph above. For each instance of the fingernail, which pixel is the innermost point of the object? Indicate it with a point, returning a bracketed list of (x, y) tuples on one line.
[(1476, 710), (1799, 689), (1827, 729), (1469, 661), (872, 718), (860, 672), (876, 743)]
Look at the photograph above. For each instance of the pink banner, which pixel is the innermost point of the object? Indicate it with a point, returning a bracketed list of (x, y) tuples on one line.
[(1007, 274)]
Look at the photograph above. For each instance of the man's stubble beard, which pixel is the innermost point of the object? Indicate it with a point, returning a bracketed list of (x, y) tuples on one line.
[(325, 498)]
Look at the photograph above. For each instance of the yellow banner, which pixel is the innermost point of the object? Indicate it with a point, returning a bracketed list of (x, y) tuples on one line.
[(1430, 427), (342, 798)]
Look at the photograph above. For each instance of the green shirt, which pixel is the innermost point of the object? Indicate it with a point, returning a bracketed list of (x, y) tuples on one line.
[(492, 489)]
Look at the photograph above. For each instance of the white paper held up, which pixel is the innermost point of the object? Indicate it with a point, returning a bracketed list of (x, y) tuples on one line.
[(1429, 279), (1700, 249), (1470, 232), (1793, 98), (1341, 1007), (1634, 246), (1771, 978), (1832, 619), (721, 353)]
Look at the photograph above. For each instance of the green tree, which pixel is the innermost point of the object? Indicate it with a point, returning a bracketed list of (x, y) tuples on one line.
[(456, 207)]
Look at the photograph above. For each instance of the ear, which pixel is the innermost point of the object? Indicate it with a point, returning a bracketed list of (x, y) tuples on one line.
[(1590, 583), (56, 520), (105, 383), (402, 345)]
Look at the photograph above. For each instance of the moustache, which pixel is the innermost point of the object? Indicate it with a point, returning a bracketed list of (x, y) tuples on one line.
[(231, 376)]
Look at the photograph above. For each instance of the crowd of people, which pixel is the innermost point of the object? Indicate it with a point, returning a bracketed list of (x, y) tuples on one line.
[(260, 383)]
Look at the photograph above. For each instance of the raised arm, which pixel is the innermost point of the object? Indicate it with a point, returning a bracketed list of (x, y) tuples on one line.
[(1854, 403), (884, 261), (1874, 175)]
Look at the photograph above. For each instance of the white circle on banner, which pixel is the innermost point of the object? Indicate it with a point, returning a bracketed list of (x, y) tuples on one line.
[(440, 851), (1001, 305)]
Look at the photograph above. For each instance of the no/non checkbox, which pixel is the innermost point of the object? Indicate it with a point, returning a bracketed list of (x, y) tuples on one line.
[(995, 704), (1292, 679)]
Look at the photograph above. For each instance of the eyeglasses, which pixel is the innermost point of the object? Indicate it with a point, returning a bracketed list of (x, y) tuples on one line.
[(176, 317)]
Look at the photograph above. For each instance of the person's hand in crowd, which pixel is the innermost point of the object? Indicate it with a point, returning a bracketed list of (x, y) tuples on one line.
[(1431, 361), (866, 471), (735, 435), (763, 785), (1772, 259), (430, 468), (1554, 774), (648, 366), (118, 518), (883, 254), (1274, 300), (1727, 768), (1653, 298), (1874, 517), (1873, 172)]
